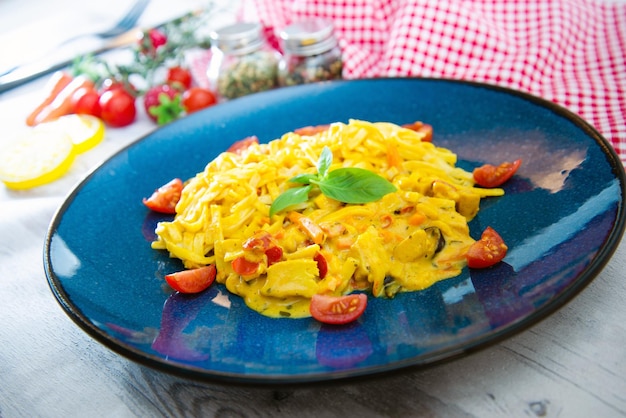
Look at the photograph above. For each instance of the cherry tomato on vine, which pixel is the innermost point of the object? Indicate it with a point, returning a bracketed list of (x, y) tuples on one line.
[(152, 99), (192, 281), (86, 101), (197, 98), (114, 84), (179, 78), (338, 309), (150, 41), (487, 251), (165, 198), (157, 38), (118, 108), (491, 176)]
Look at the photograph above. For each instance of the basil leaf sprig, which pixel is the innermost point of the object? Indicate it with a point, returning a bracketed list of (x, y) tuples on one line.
[(346, 184)]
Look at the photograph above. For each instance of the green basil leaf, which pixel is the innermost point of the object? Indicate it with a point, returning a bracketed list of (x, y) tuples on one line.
[(326, 159), (290, 197), (355, 185), (304, 178)]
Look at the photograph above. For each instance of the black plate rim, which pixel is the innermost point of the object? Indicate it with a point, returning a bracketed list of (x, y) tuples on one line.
[(435, 358)]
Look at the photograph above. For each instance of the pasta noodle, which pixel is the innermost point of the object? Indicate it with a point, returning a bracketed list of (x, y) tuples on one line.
[(405, 241)]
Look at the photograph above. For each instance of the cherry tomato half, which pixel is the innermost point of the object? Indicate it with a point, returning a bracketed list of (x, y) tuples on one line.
[(263, 242), (118, 108), (192, 281), (491, 176), (197, 98), (487, 251), (274, 255), (165, 198), (311, 130), (244, 267), (338, 309), (259, 241), (423, 128), (243, 144)]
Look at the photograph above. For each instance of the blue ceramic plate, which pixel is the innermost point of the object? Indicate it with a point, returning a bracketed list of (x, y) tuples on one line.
[(562, 218)]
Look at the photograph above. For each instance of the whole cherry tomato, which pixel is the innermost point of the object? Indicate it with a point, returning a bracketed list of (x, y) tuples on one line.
[(162, 110), (197, 98), (179, 78), (118, 108), (157, 38), (115, 84), (150, 41), (86, 101)]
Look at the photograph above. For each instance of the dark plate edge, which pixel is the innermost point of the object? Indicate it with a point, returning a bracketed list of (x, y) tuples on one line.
[(436, 358)]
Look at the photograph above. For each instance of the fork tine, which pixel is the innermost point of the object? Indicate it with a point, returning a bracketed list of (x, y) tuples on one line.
[(127, 22), (131, 17)]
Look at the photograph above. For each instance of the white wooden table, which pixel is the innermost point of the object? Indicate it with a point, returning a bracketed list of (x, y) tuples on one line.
[(572, 364)]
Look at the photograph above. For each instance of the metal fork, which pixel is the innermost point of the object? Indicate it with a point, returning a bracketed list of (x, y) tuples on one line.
[(127, 22), (123, 25)]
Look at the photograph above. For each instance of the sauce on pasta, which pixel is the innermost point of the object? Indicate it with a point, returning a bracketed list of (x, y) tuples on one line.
[(406, 241)]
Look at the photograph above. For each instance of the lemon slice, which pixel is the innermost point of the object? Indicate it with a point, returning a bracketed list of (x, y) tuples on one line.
[(85, 131), (46, 152), (36, 158)]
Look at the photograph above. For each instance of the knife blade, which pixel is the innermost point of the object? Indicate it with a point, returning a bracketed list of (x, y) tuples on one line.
[(31, 71), (28, 72)]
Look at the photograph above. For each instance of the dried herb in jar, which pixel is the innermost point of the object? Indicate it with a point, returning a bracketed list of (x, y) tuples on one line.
[(248, 74), (242, 62), (311, 53)]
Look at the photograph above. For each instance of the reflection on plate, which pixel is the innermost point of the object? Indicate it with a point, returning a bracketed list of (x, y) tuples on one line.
[(562, 218)]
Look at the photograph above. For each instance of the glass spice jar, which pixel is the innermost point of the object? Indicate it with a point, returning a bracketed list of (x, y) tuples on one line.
[(310, 53), (242, 62)]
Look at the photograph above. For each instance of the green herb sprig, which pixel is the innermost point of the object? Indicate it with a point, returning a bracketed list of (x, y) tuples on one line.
[(180, 36), (346, 184)]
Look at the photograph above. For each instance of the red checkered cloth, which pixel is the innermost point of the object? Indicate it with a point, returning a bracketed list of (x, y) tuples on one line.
[(572, 52)]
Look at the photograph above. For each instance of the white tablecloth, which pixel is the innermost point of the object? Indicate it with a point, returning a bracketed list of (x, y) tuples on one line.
[(573, 364)]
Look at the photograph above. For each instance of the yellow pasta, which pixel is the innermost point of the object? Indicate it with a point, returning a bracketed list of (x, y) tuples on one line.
[(405, 241)]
